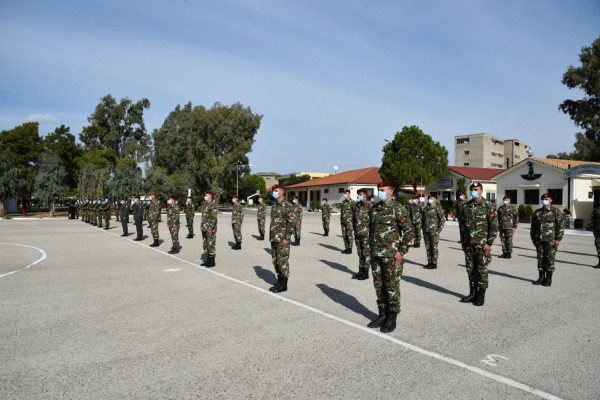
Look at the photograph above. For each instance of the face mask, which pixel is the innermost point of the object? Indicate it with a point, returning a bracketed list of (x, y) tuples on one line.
[(260, 200), (430, 201), (373, 200), (382, 196), (233, 201), (360, 198), (462, 197), (295, 201), (505, 202), (275, 195), (136, 201), (545, 202), (474, 194), (345, 196), (205, 198), (169, 202)]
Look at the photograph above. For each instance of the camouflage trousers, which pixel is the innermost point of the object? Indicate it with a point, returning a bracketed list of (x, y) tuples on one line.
[(386, 280), (363, 249), (208, 243), (261, 226), (99, 219), (506, 237), (326, 225), (190, 224), (417, 227), (297, 230), (124, 225), (461, 231), (154, 228), (347, 234), (546, 253), (174, 231), (431, 246), (280, 257), (477, 265), (237, 231), (107, 219)]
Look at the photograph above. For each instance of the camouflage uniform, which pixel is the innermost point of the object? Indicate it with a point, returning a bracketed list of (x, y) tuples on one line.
[(346, 221), (460, 217), (416, 218), (146, 206), (481, 227), (209, 227), (173, 222), (98, 213), (326, 216), (124, 217), (261, 215), (298, 222), (237, 217), (282, 226), (595, 219), (508, 218), (433, 221), (391, 232), (190, 212), (153, 215), (106, 213), (362, 226), (547, 226), (116, 208)]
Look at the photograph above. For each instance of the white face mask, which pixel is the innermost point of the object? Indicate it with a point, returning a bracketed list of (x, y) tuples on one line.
[(205, 198), (260, 200), (295, 201)]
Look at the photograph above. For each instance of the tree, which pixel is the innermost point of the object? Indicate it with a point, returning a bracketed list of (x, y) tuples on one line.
[(11, 181), (125, 183), (63, 143), (413, 158), (23, 145), (49, 183), (251, 183), (89, 185), (297, 179), (585, 112), (461, 185), (157, 181)]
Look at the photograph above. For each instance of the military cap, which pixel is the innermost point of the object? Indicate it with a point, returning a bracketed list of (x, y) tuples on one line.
[(434, 195), (172, 197), (385, 183), (507, 197), (208, 192), (362, 190), (153, 194), (235, 196), (278, 186), (475, 185), (324, 198), (546, 196), (347, 190)]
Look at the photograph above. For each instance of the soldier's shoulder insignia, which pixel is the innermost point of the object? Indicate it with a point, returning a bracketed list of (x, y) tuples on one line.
[(403, 219)]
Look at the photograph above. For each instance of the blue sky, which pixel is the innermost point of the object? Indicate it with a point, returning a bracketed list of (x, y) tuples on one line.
[(332, 79)]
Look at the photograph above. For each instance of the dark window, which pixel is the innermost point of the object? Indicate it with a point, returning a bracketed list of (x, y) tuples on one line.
[(513, 196), (341, 190), (466, 151), (325, 190), (556, 194), (532, 196), (463, 140), (466, 164)]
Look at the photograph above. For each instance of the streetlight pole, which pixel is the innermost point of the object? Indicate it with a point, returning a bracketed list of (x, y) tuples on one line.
[(237, 177)]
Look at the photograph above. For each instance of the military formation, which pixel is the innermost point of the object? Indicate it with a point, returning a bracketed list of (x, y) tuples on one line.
[(382, 229)]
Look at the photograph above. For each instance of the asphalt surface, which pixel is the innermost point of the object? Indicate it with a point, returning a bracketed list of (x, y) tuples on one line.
[(88, 314)]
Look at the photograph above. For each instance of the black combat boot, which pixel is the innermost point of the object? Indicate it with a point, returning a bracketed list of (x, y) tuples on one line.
[(282, 286), (357, 275), (297, 242), (262, 237), (508, 255), (417, 245), (541, 279), (433, 266), (238, 246), (378, 322), (503, 255), (597, 266), (471, 296), (174, 250), (326, 233), (390, 323), (137, 239), (480, 297), (548, 280), (210, 262), (155, 244), (277, 284), (364, 275)]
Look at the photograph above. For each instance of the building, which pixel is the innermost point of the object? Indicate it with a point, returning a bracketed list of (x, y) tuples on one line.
[(282, 179), (486, 151), (270, 178), (446, 187)]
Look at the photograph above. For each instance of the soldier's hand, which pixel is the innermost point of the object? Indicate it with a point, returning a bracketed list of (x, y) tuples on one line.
[(437, 234), (399, 258), (556, 243), (285, 243), (487, 249)]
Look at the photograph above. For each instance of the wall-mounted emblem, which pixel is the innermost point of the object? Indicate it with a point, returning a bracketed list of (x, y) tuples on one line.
[(530, 176)]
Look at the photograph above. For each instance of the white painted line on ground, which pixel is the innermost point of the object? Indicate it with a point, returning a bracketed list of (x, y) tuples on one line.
[(42, 258), (448, 360), (172, 270)]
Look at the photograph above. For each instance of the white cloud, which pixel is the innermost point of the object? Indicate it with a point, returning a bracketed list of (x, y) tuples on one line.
[(42, 118)]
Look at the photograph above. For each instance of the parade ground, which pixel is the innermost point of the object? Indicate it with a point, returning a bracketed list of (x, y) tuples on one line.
[(88, 314)]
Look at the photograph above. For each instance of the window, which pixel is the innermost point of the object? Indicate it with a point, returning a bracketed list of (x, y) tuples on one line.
[(491, 197), (517, 157), (462, 140), (494, 153), (325, 191), (341, 190), (500, 155), (466, 164), (513, 196), (557, 195), (466, 151), (590, 195), (532, 196)]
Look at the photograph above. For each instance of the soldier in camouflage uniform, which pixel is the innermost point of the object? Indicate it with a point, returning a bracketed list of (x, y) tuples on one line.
[(298, 220), (106, 212), (508, 218), (138, 215), (116, 208), (433, 223), (173, 222), (346, 216), (190, 212), (146, 207), (208, 226), (153, 216), (124, 216), (237, 218), (547, 230), (98, 213), (416, 218), (595, 219), (481, 228), (391, 235), (326, 216), (261, 216), (362, 226), (280, 233), (460, 217)]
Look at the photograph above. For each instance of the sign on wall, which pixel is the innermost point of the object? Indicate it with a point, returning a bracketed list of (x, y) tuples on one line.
[(586, 169), (445, 183)]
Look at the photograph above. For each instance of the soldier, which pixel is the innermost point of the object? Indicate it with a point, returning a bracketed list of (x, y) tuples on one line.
[(153, 215), (391, 233), (116, 208), (173, 222), (481, 228), (280, 232), (362, 225), (208, 226), (433, 223), (508, 218), (190, 212), (146, 207), (98, 213), (326, 216), (595, 219), (106, 212), (138, 216), (261, 216), (547, 230), (124, 216), (237, 217), (297, 220), (460, 205), (346, 221), (416, 218)]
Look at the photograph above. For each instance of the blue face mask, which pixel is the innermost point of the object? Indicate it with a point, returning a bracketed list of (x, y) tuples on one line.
[(545, 202), (295, 201), (382, 196), (474, 194), (505, 202), (345, 196), (430, 201), (169, 202), (275, 194), (205, 198), (360, 198)]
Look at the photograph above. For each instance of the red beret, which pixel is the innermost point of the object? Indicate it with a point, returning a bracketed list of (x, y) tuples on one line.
[(475, 185), (171, 197), (362, 190), (235, 196), (209, 192), (152, 194), (432, 195), (278, 186), (385, 183), (546, 196), (507, 197)]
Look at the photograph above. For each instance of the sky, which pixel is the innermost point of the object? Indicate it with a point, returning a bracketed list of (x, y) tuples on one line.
[(332, 79)]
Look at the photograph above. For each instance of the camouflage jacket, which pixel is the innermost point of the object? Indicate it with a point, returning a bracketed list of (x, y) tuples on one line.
[(416, 214), (146, 206), (297, 212), (547, 225), (347, 211), (460, 210), (124, 212), (261, 211), (391, 229), (209, 217), (282, 221), (595, 219), (190, 210), (481, 222), (433, 218), (362, 218), (237, 213), (326, 211), (173, 214), (154, 210), (508, 217)]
